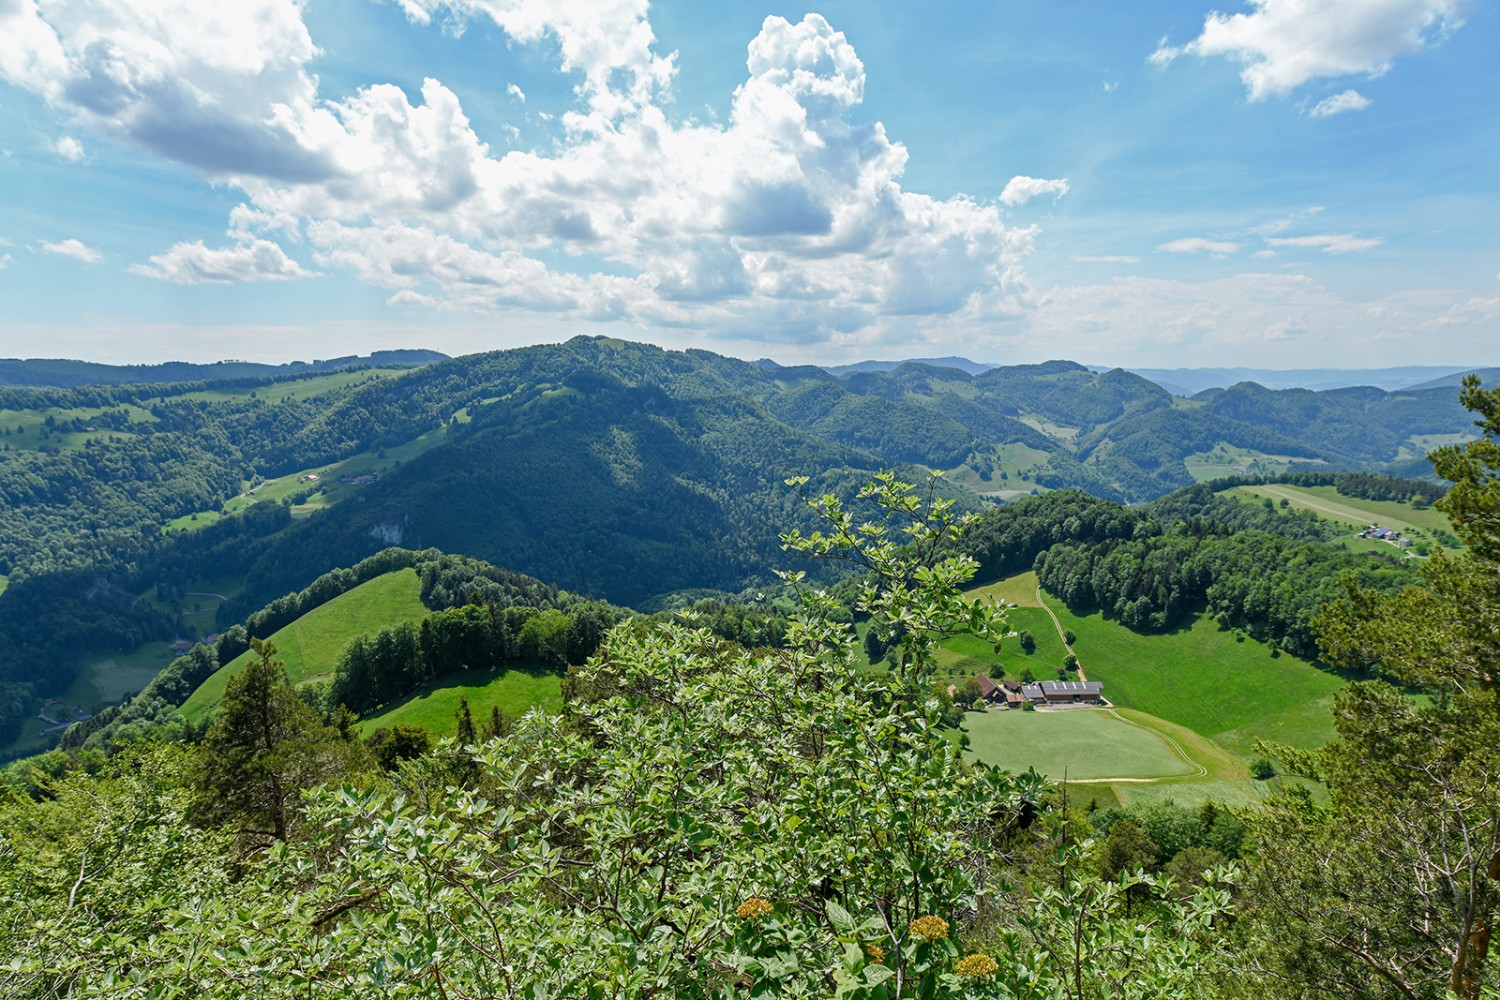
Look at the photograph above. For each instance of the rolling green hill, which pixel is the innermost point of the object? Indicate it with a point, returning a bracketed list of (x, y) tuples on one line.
[(310, 646), (435, 706)]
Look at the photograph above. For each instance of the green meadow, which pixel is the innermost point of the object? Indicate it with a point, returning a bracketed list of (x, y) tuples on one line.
[(318, 484), (1080, 744), (23, 430), (1225, 459), (295, 388), (310, 646), (1203, 678), (1199, 692), (1329, 504), (434, 707)]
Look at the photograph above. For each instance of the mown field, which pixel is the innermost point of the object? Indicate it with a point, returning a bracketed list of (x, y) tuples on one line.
[(1422, 525), (1068, 743), (1203, 678), (311, 645), (1204, 689), (298, 388), (322, 491), (435, 706), (1225, 459), (963, 657), (27, 430), (1006, 479)]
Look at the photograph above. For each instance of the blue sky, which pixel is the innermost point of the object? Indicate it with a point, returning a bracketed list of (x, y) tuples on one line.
[(1275, 183)]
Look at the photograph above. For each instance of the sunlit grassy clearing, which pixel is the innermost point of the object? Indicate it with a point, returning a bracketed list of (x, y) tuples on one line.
[(435, 706), (1329, 504), (301, 388), (115, 676), (310, 646), (1076, 743), (1200, 677), (1225, 459)]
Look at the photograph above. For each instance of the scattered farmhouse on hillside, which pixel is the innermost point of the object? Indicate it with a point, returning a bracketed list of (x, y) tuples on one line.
[(1011, 694)]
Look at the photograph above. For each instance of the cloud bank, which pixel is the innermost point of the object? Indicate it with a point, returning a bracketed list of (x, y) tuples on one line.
[(788, 216)]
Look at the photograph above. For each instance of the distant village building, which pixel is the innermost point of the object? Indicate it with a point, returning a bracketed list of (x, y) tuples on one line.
[(181, 646)]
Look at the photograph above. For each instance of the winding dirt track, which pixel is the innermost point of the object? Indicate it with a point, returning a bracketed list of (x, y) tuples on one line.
[(1061, 637)]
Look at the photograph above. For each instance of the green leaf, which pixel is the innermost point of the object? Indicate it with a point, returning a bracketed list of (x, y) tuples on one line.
[(839, 917)]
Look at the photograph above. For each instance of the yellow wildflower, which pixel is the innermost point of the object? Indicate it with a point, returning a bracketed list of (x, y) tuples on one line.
[(876, 952), (929, 927), (976, 967), (753, 909)]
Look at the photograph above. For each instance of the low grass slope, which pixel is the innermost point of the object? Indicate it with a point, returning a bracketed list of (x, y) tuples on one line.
[(1328, 503), (1081, 744), (310, 646), (1207, 679), (434, 706)]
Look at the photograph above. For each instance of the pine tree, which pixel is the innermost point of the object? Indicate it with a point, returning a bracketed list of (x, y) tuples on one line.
[(265, 746), (466, 735)]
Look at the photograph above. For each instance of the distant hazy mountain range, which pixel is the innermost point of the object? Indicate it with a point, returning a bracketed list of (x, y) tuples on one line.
[(65, 374), (1191, 381)]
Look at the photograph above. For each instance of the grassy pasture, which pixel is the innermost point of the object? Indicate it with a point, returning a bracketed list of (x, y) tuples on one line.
[(115, 676), (1197, 688), (1329, 504), (328, 488), (302, 388), (962, 657), (26, 429), (1225, 459), (1418, 445), (310, 646), (434, 707), (1078, 743), (1006, 459), (1201, 678)]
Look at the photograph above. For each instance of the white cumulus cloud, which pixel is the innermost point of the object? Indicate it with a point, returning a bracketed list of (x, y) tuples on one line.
[(221, 87), (1283, 44), (1349, 100), (1470, 311), (1021, 189), (196, 264), (75, 249)]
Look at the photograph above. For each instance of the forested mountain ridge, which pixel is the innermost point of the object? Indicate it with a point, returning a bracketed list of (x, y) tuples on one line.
[(609, 468), (62, 373)]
